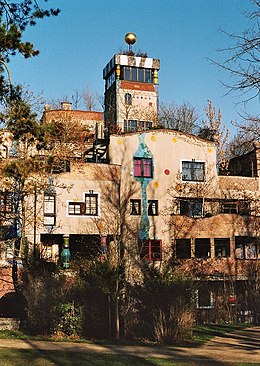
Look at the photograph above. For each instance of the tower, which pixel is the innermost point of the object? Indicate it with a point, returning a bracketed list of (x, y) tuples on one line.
[(131, 90)]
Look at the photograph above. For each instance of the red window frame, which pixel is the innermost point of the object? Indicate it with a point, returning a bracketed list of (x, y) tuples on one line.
[(151, 250)]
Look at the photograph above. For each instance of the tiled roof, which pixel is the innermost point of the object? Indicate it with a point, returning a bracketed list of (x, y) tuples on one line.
[(82, 115)]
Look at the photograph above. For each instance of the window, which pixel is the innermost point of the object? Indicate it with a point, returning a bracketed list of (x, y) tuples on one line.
[(49, 209), (236, 207), (143, 167), (222, 247), (135, 207), (193, 171), (140, 74), (191, 207), (152, 207), (133, 125), (182, 248), (204, 298), (151, 250), (130, 125), (202, 247), (76, 208), (247, 247), (91, 202), (128, 99), (6, 203), (88, 207)]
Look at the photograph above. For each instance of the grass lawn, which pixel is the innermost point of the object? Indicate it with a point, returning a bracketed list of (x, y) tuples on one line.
[(11, 357), (203, 333), (35, 357)]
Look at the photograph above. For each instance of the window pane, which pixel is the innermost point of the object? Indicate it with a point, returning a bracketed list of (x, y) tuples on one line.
[(148, 76), (147, 167), (135, 207), (152, 207), (49, 204), (141, 75), (137, 168), (134, 74), (183, 248), (127, 73), (193, 171), (222, 247), (204, 298), (91, 202), (202, 248), (128, 99)]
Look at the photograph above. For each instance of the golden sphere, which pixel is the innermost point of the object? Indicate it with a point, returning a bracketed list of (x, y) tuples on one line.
[(130, 38)]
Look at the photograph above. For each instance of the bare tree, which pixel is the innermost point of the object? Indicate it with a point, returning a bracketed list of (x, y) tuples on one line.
[(243, 58), (179, 117)]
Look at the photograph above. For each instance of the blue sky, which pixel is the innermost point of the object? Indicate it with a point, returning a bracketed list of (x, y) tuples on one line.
[(183, 34)]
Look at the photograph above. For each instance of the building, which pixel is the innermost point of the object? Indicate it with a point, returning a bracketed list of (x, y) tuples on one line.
[(162, 186)]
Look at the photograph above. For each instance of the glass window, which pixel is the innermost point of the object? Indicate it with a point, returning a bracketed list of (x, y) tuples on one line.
[(49, 209), (151, 250), (141, 75), (236, 207), (127, 73), (143, 167), (205, 298), (76, 208), (49, 204), (193, 171), (202, 247), (148, 76), (6, 203), (135, 207), (191, 207), (91, 202), (182, 248), (152, 207), (128, 99), (247, 247), (222, 247), (134, 74)]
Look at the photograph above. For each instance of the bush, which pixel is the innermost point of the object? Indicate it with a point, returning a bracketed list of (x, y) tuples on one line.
[(164, 308)]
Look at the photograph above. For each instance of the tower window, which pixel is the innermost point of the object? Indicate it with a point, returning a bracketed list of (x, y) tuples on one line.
[(140, 74), (128, 99)]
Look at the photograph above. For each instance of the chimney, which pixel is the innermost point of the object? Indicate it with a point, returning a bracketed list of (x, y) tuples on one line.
[(66, 106)]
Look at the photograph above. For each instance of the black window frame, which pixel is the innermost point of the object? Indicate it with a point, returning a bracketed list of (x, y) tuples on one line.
[(135, 207), (192, 207), (49, 209), (247, 247), (76, 208), (222, 247), (235, 207), (182, 248), (128, 99), (91, 201), (202, 248), (144, 163), (153, 208), (194, 172), (205, 298)]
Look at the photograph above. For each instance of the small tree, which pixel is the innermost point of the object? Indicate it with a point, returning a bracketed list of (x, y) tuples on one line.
[(182, 118)]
